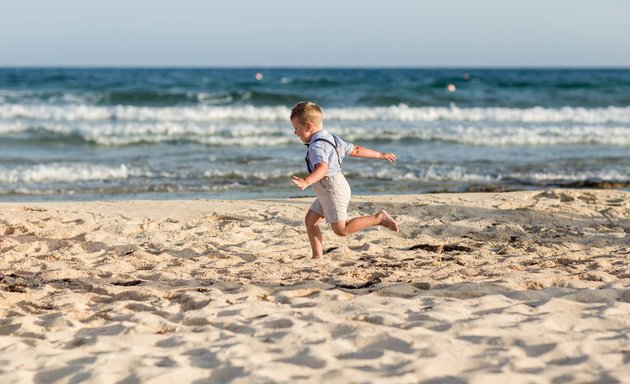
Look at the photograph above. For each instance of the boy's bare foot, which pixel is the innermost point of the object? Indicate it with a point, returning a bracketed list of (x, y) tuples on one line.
[(387, 221), (328, 250)]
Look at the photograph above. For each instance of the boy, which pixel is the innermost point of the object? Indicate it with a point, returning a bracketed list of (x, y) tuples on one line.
[(323, 161)]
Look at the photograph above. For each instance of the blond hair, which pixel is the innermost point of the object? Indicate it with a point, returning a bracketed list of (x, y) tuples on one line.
[(307, 111)]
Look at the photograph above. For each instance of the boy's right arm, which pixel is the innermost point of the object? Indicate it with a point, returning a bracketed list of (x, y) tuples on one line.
[(321, 169)]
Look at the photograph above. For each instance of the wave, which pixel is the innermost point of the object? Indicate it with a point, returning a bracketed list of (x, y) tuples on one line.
[(73, 173), (431, 173), (145, 98), (245, 174), (500, 115), (400, 113), (63, 172), (426, 174), (604, 175), (243, 134), (122, 134), (150, 98), (461, 174)]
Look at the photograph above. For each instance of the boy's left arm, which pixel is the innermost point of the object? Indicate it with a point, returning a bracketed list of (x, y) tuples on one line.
[(368, 153)]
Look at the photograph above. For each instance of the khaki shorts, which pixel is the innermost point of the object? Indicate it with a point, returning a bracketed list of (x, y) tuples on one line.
[(333, 196)]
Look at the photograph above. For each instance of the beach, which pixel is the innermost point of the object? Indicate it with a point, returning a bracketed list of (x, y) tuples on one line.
[(519, 287)]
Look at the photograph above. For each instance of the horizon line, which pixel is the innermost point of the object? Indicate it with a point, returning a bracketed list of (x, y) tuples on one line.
[(262, 67)]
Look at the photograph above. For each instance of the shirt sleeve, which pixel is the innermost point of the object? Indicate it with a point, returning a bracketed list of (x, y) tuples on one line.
[(346, 147)]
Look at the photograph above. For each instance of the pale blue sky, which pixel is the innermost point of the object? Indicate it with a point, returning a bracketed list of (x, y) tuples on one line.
[(454, 33)]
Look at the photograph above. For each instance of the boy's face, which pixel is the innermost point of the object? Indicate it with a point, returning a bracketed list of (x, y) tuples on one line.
[(303, 131)]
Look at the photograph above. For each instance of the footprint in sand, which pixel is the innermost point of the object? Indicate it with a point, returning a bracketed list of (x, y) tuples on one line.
[(588, 198), (305, 359), (615, 202)]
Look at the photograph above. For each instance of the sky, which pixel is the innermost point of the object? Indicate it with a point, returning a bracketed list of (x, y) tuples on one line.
[(324, 33)]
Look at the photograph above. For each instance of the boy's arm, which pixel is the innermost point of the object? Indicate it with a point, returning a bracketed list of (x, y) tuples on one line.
[(321, 169), (368, 153)]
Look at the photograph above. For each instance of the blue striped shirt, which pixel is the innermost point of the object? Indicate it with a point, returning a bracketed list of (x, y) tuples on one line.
[(321, 151)]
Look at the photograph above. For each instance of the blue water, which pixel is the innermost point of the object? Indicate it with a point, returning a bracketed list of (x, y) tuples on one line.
[(68, 134)]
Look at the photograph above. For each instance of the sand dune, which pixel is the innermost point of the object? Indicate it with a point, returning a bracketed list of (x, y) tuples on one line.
[(475, 288)]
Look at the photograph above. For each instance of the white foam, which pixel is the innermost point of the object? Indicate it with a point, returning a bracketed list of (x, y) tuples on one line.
[(428, 174), (213, 134), (433, 173), (493, 114), (401, 113), (212, 98), (13, 127), (245, 174), (63, 172), (531, 136), (494, 135), (604, 175), (265, 134), (126, 133)]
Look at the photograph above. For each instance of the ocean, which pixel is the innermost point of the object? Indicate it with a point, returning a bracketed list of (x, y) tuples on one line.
[(174, 133)]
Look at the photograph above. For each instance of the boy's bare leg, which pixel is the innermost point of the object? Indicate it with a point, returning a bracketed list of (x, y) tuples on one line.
[(344, 228), (314, 233)]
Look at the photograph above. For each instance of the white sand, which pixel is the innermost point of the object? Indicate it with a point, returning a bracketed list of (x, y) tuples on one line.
[(522, 287)]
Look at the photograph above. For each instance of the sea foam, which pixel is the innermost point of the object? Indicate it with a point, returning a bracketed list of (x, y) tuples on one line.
[(63, 172), (400, 113), (269, 134)]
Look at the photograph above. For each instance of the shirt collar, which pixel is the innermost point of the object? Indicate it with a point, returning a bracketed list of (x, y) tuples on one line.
[(317, 135)]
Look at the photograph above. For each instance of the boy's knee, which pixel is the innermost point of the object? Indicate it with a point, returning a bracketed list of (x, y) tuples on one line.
[(310, 226), (311, 222), (340, 231)]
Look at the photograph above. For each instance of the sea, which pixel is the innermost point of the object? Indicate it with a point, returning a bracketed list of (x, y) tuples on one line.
[(69, 134)]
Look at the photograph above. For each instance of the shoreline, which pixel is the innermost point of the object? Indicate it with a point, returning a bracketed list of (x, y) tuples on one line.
[(622, 186), (504, 286)]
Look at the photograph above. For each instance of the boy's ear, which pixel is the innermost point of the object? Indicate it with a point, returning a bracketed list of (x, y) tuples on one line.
[(309, 126)]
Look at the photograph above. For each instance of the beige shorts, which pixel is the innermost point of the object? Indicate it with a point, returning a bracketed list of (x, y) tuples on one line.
[(333, 196)]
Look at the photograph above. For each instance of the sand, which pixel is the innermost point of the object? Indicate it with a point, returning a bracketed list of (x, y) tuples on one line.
[(523, 287)]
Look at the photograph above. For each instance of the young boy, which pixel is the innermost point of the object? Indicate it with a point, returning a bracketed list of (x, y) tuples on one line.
[(323, 160)]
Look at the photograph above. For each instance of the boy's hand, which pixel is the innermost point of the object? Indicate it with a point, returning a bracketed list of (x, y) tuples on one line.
[(389, 157), (300, 182)]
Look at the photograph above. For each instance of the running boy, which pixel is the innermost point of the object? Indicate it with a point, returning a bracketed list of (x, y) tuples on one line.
[(323, 160)]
